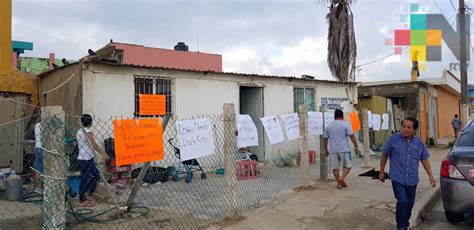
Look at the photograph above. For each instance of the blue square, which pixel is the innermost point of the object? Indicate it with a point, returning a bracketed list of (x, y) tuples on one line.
[(418, 21)]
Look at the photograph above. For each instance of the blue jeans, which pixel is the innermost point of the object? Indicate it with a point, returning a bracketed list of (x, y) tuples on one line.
[(39, 159), (405, 200), (89, 177)]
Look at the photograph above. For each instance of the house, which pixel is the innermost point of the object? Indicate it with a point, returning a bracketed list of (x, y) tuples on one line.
[(111, 90), (433, 101)]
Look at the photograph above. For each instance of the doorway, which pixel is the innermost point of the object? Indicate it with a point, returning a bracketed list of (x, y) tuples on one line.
[(251, 103)]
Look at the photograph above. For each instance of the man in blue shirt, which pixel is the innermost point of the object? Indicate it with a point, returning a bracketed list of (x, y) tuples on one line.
[(456, 123), (405, 152)]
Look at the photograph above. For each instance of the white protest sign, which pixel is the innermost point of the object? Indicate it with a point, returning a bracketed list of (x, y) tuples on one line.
[(196, 138), (385, 121), (247, 132), (328, 118), (369, 115), (315, 123), (273, 129), (376, 121), (292, 125)]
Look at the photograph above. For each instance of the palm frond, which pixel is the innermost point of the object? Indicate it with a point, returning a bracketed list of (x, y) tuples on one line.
[(337, 1)]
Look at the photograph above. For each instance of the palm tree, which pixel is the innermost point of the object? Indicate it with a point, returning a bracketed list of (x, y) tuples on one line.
[(342, 49)]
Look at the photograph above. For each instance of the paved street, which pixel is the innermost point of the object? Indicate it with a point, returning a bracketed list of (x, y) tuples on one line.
[(437, 221)]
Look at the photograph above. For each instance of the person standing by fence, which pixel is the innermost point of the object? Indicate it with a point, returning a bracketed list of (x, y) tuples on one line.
[(337, 134), (405, 152), (85, 160)]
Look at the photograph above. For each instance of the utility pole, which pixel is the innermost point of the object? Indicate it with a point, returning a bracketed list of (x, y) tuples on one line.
[(462, 50)]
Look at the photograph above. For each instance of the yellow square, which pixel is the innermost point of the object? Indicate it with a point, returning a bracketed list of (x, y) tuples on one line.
[(418, 53), (433, 38)]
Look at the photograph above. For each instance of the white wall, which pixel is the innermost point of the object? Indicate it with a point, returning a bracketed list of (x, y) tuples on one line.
[(277, 99), (333, 91), (203, 97), (107, 95)]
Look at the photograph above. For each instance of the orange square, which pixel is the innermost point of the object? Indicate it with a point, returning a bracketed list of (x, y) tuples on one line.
[(433, 38)]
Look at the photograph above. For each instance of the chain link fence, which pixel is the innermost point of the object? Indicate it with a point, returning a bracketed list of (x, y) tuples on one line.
[(169, 196)]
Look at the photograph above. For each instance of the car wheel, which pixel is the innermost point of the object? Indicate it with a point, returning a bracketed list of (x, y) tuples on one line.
[(454, 217)]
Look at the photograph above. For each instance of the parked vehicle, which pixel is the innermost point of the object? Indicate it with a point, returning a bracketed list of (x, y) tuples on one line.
[(457, 177)]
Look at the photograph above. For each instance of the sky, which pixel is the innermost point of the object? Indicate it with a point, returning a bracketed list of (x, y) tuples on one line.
[(272, 37)]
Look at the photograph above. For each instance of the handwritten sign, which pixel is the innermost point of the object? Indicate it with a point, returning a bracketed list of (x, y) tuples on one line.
[(150, 104), (196, 138), (273, 129), (138, 141), (385, 121), (247, 131), (333, 103), (292, 125), (328, 118), (369, 115), (315, 123), (354, 121), (376, 121)]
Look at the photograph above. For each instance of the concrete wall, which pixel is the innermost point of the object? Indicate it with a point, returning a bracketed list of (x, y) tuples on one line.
[(447, 105)]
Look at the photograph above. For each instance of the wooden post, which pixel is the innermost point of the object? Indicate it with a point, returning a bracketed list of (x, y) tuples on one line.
[(229, 158), (55, 168), (303, 115), (365, 129), (138, 182), (323, 161)]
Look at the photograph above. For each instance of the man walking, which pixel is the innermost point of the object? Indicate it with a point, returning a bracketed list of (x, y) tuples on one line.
[(338, 133), (405, 151), (456, 123)]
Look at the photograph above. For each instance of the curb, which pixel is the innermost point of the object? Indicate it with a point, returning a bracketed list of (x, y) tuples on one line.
[(424, 205)]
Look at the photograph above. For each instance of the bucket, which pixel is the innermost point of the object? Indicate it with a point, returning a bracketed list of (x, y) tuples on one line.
[(13, 187), (73, 183)]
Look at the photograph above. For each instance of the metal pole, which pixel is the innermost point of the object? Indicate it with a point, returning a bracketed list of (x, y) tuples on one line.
[(304, 144)]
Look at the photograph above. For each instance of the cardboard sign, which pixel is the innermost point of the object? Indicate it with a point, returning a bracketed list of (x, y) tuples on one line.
[(196, 138), (354, 120), (138, 141), (292, 125), (150, 104), (247, 131)]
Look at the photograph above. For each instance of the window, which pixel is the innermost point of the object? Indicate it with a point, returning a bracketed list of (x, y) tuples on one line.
[(466, 139), (152, 85), (304, 95)]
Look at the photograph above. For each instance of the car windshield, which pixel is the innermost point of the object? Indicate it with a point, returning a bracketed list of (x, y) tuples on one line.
[(466, 139)]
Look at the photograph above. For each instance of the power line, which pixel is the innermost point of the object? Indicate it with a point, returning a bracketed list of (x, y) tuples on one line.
[(454, 8)]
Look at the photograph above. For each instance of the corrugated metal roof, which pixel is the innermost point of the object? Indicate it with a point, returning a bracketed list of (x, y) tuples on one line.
[(306, 77)]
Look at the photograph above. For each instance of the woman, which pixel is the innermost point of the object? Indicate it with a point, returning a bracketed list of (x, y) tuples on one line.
[(85, 160)]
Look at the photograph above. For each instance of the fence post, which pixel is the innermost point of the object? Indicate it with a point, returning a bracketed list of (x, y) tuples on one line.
[(229, 157), (323, 166), (304, 144), (365, 129), (55, 168)]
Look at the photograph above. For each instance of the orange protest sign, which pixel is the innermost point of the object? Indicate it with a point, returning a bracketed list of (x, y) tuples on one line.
[(138, 141), (150, 104), (355, 122)]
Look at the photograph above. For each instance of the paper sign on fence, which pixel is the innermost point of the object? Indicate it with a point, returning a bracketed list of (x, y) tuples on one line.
[(150, 104), (196, 138), (385, 121), (315, 123), (292, 125), (138, 141), (354, 120), (273, 129), (369, 115), (328, 118), (247, 132), (376, 121)]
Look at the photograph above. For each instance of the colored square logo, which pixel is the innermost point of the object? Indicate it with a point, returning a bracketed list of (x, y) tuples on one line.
[(402, 37), (398, 51), (388, 41), (418, 53), (433, 38), (418, 21), (417, 37), (414, 8), (433, 53)]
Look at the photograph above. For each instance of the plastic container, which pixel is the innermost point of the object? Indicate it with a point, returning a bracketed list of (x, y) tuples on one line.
[(13, 188), (73, 183)]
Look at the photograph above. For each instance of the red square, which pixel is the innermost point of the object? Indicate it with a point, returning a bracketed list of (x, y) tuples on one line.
[(402, 37), (388, 41), (398, 51)]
